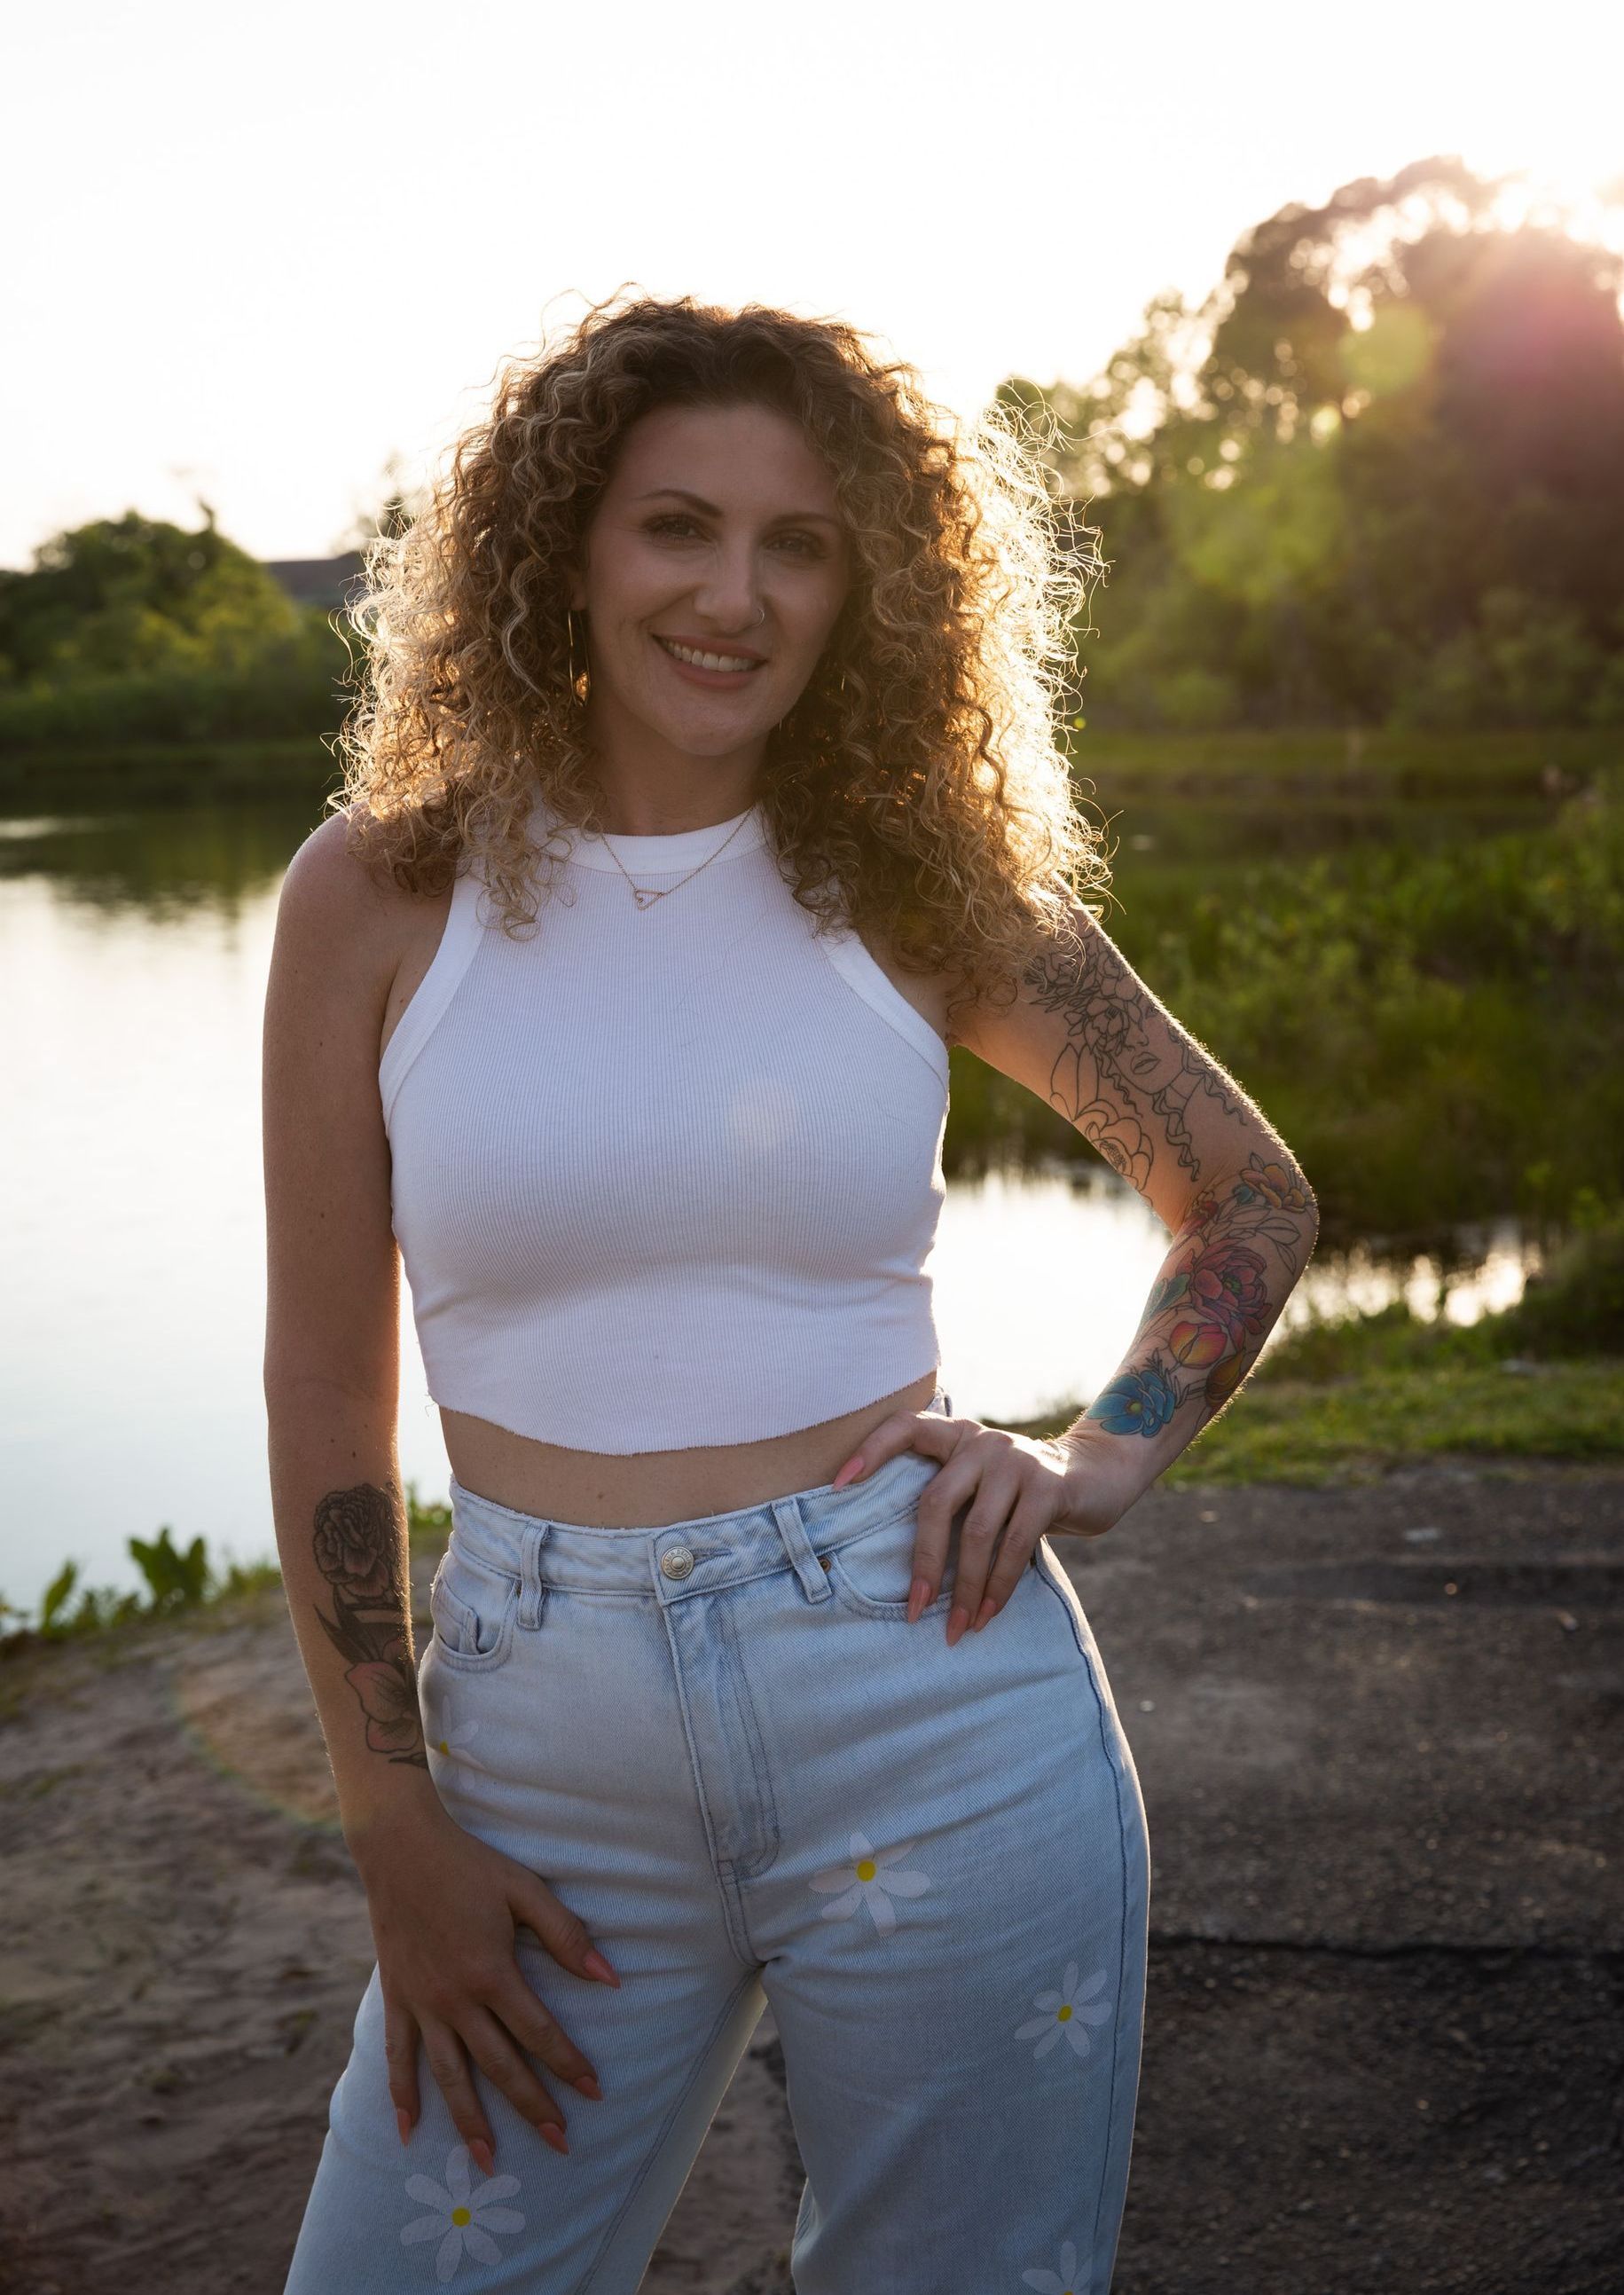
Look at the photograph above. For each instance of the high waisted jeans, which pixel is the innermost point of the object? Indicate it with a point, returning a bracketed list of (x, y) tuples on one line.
[(722, 1744)]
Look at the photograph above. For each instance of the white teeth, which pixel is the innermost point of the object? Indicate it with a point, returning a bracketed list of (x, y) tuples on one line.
[(705, 660)]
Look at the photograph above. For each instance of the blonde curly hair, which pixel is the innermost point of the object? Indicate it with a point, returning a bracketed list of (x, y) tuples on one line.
[(915, 791)]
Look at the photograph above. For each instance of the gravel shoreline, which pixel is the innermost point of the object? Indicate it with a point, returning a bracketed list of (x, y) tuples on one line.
[(1387, 1962)]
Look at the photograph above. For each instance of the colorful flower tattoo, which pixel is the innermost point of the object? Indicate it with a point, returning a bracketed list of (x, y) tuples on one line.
[(1211, 1307), (1126, 1078), (358, 1550)]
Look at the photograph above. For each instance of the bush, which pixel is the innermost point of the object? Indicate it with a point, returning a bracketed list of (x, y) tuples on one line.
[(1576, 1305)]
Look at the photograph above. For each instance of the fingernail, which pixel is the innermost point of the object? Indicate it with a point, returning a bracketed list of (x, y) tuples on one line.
[(958, 1619), (588, 2086), (555, 2136), (596, 1965), (848, 1474), (403, 2123), (918, 1594), (482, 2156), (985, 1612)]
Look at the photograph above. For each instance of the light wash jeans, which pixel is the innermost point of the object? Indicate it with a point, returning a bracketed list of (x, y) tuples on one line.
[(722, 1743)]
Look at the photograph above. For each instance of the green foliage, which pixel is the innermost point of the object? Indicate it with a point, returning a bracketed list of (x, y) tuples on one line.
[(1526, 661), (175, 1580), (133, 594), (1393, 1009), (129, 629), (1435, 1025), (1376, 477), (1356, 1426), (291, 686), (1356, 1429), (426, 1525), (1576, 1305), (54, 1599), (1544, 1378)]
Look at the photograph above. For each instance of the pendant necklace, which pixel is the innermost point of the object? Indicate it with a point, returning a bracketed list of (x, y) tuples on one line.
[(646, 896)]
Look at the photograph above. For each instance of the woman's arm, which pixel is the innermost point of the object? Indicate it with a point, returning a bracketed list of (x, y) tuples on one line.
[(1088, 1034), (1085, 1034), (445, 1906), (332, 1360)]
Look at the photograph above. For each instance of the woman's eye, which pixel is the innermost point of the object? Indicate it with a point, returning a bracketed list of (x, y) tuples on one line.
[(673, 523)]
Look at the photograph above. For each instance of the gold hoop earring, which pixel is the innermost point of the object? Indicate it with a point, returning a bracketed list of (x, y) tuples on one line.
[(575, 673)]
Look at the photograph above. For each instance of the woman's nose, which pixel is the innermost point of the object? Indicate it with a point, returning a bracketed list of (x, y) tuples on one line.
[(731, 599)]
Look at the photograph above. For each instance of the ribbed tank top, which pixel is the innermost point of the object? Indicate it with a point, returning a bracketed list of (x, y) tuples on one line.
[(664, 1176)]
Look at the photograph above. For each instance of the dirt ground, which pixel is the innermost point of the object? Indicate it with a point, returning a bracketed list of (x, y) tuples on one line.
[(1378, 1733)]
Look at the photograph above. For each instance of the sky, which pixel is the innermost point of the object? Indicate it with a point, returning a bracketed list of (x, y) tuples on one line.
[(254, 252)]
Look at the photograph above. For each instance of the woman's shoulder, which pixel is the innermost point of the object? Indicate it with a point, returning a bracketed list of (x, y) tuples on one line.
[(341, 898)]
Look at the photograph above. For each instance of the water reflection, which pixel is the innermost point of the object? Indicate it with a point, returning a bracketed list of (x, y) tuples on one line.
[(129, 1129), (1042, 1275)]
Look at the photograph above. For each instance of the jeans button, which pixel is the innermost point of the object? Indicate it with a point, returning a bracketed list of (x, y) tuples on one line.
[(677, 1560)]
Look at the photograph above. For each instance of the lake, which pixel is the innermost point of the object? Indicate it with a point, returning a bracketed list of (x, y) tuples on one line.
[(134, 947)]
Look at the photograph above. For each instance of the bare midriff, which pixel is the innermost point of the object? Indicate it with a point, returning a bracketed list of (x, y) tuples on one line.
[(648, 1489)]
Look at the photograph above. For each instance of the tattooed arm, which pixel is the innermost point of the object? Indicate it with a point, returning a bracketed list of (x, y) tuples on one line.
[(1087, 1034), (331, 1364), (446, 1906)]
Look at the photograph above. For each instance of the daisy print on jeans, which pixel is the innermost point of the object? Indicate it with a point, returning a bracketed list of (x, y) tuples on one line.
[(1068, 2280), (460, 2218), (450, 1738), (1066, 2014), (869, 1879)]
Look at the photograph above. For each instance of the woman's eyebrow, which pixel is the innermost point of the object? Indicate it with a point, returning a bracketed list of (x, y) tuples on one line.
[(711, 509)]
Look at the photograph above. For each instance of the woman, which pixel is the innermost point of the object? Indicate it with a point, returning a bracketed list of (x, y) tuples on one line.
[(703, 794)]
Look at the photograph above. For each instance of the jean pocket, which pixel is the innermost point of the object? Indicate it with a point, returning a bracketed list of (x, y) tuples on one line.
[(474, 1604), (871, 1574)]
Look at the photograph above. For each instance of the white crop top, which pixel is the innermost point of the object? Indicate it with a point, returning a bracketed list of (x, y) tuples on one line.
[(664, 1176)]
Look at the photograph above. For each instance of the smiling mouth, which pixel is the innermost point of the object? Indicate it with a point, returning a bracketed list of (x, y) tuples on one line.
[(697, 659)]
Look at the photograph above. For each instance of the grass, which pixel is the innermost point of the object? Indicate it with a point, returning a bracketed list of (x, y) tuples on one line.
[(1289, 1431), (1283, 1429), (1348, 1399)]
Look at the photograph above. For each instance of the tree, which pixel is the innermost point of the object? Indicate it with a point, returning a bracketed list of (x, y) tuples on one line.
[(137, 594), (1330, 490)]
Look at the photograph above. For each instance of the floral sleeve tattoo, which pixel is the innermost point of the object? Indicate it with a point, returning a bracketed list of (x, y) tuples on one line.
[(1127, 1084), (357, 1551), (1110, 1079), (1211, 1307)]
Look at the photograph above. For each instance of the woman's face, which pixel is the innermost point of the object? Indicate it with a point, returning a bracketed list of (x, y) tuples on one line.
[(717, 534)]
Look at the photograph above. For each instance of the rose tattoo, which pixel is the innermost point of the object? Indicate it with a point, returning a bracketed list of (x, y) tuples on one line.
[(357, 1551)]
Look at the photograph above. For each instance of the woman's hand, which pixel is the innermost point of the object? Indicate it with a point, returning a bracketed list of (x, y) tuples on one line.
[(1020, 1487), (445, 1907)]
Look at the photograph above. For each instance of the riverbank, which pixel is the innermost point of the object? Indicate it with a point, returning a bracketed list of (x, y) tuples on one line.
[(1384, 2016), (1297, 763)]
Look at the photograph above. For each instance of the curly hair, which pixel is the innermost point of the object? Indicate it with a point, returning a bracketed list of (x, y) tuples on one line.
[(915, 789)]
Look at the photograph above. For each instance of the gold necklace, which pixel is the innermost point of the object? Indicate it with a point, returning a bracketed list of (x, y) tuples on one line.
[(646, 896)]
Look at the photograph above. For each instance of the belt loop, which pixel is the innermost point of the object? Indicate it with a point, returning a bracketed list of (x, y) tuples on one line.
[(798, 1546), (533, 1597)]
